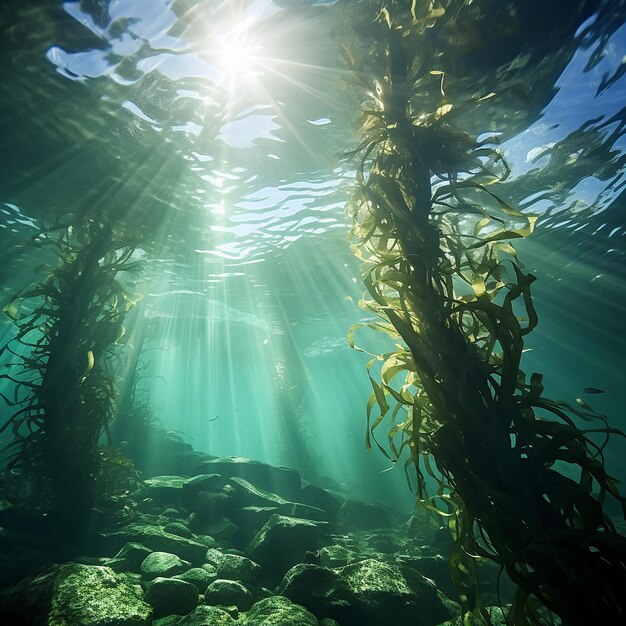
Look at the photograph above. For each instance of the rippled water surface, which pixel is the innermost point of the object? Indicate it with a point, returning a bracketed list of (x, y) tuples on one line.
[(216, 128)]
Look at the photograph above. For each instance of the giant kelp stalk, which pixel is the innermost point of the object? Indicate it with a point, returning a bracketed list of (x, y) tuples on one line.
[(445, 283), (62, 357)]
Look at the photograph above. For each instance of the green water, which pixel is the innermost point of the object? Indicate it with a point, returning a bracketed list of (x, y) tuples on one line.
[(213, 129)]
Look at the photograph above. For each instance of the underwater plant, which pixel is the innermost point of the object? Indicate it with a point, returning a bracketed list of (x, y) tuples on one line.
[(445, 283), (62, 360)]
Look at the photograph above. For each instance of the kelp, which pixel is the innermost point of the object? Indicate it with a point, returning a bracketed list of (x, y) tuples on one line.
[(69, 327), (445, 282)]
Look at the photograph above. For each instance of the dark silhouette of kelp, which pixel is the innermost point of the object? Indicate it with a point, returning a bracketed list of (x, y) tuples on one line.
[(444, 280)]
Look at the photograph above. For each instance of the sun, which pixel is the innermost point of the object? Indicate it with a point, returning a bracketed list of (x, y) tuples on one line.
[(237, 57)]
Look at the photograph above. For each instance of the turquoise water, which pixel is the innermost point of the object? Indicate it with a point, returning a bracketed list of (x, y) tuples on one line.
[(214, 129)]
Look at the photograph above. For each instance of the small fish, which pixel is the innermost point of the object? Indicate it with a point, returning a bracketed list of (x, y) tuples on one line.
[(593, 390), (213, 418), (581, 403)]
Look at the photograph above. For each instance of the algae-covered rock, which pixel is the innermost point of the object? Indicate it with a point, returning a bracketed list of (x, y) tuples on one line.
[(198, 576), (209, 505), (322, 499), (364, 516), (200, 616), (228, 592), (169, 596), (75, 595), (235, 567), (155, 538), (366, 593), (280, 480), (279, 611), (176, 528), (165, 489), (496, 616), (131, 556), (281, 543), (247, 494), (163, 564)]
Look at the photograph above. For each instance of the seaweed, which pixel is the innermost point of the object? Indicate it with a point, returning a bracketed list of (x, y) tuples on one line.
[(444, 282), (63, 356)]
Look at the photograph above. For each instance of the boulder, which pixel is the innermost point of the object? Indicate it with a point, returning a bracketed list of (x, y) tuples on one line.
[(169, 596), (366, 593), (322, 499), (176, 528), (201, 616), (249, 520), (496, 616), (247, 494), (363, 516), (165, 489), (71, 594), (281, 543), (201, 482), (235, 567), (279, 611), (210, 505), (303, 511), (198, 576), (220, 528), (280, 480), (227, 593), (163, 564), (155, 538), (130, 557)]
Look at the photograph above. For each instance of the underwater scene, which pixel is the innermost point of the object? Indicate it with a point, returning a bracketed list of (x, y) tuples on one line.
[(312, 312)]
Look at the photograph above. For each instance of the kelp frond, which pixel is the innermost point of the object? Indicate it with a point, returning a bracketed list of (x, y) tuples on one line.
[(442, 275)]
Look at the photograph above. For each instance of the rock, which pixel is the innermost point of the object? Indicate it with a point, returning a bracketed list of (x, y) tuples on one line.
[(435, 567), (386, 541), (280, 480), (209, 505), (203, 616), (281, 543), (249, 520), (279, 611), (496, 616), (214, 557), (303, 511), (198, 576), (165, 489), (211, 569), (74, 594), (335, 555), (155, 538), (363, 516), (322, 499), (442, 540), (163, 564), (169, 596), (170, 512), (421, 526), (221, 528), (247, 494), (176, 528), (201, 482), (233, 567), (366, 593), (131, 556), (228, 592)]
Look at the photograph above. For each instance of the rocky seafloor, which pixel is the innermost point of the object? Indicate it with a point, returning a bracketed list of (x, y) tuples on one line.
[(231, 541)]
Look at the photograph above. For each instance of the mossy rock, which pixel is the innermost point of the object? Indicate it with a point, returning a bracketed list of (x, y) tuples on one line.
[(170, 596), (75, 595), (366, 593), (278, 611)]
